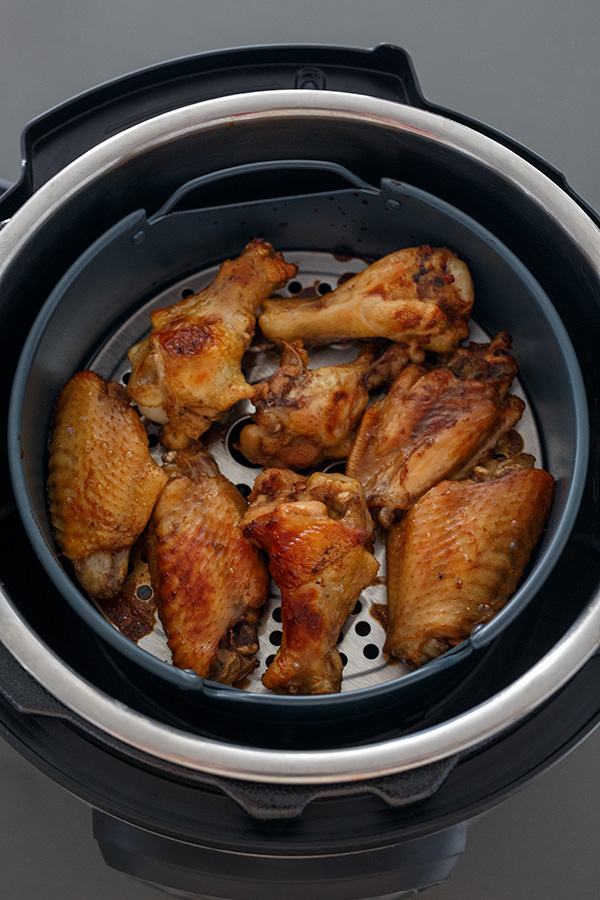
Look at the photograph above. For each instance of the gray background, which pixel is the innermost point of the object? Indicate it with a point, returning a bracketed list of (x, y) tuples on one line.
[(529, 69)]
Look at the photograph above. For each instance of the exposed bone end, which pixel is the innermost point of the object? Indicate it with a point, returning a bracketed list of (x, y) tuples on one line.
[(102, 574), (287, 676), (235, 657)]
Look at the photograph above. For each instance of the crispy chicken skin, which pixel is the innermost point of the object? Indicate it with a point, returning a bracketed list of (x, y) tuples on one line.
[(420, 297), (188, 371), (315, 531), (102, 481), (209, 581), (457, 556), (433, 424), (305, 416)]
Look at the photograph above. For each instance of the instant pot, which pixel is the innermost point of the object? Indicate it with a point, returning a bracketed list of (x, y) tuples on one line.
[(135, 192)]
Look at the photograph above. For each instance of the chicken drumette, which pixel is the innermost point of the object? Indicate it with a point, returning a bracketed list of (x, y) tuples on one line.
[(315, 531), (434, 423), (457, 556), (419, 297), (305, 416), (102, 482), (187, 372), (209, 580)]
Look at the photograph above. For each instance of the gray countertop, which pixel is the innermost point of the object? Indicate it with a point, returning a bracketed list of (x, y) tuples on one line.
[(529, 70)]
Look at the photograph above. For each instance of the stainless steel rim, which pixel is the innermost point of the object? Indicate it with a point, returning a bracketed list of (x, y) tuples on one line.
[(453, 736)]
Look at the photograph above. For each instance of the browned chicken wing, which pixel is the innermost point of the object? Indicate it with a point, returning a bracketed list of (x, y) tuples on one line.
[(433, 424), (209, 581), (188, 371), (315, 531), (420, 297), (457, 556), (102, 483), (305, 416)]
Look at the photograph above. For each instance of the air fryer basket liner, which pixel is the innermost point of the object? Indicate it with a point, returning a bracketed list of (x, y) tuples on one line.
[(100, 307)]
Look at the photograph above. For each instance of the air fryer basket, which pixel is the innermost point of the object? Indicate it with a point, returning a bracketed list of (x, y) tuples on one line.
[(100, 308)]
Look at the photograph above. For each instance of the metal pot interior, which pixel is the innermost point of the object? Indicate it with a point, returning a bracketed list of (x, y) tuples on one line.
[(79, 304)]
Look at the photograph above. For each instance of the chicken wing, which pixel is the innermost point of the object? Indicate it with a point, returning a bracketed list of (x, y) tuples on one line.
[(433, 424), (315, 531), (420, 297), (102, 481), (188, 371), (457, 556), (209, 581), (305, 416)]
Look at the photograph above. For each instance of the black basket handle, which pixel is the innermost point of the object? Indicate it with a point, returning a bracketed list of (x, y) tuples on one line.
[(293, 167)]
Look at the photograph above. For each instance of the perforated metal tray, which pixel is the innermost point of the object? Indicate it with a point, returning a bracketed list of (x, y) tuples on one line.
[(362, 636)]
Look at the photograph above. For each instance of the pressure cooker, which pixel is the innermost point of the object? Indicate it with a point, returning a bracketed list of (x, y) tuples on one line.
[(132, 194)]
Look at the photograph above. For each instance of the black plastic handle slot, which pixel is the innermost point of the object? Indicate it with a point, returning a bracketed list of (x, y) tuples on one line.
[(272, 801), (24, 693)]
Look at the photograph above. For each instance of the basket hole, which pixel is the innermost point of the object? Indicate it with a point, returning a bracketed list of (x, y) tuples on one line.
[(371, 651), (324, 288), (187, 292), (244, 489), (294, 287), (275, 638), (362, 628), (336, 467)]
